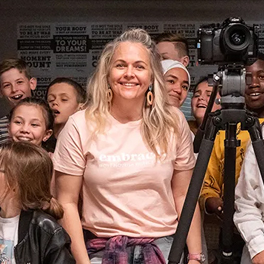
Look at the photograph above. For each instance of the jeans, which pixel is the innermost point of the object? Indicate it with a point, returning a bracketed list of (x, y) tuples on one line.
[(246, 259), (135, 255)]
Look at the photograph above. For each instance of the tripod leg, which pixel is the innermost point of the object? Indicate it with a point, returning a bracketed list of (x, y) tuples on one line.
[(231, 143), (193, 193)]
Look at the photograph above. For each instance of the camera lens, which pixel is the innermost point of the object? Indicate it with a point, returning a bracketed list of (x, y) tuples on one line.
[(237, 38)]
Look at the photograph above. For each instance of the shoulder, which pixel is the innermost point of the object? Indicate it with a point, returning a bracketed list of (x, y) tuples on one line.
[(78, 117), (4, 120), (4, 135), (179, 119), (193, 126), (76, 122), (178, 115), (176, 111), (45, 222)]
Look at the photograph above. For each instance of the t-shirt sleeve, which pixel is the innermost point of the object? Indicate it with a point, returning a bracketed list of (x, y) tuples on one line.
[(185, 159), (68, 156)]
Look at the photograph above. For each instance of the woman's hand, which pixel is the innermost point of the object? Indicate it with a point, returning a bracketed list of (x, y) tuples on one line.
[(194, 262)]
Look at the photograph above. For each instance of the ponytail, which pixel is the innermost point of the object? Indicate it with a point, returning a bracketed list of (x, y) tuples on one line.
[(54, 209)]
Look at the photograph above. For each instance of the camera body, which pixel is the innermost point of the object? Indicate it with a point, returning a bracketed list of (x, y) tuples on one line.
[(231, 42)]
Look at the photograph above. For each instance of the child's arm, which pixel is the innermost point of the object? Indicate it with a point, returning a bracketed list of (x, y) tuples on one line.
[(249, 201), (211, 193)]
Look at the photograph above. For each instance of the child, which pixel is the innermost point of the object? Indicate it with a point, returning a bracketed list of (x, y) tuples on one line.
[(15, 85), (177, 81), (65, 97), (200, 99), (29, 232), (31, 120)]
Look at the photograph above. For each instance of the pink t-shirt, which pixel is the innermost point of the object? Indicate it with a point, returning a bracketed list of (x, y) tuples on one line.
[(126, 191)]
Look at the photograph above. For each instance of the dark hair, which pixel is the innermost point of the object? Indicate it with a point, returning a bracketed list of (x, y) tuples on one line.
[(180, 42), (15, 63), (202, 79), (29, 169), (81, 93), (47, 113)]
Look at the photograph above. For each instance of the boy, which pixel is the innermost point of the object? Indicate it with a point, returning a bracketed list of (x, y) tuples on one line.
[(65, 97), (15, 85), (175, 47)]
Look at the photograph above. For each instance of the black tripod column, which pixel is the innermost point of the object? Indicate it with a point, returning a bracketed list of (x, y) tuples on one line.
[(231, 143)]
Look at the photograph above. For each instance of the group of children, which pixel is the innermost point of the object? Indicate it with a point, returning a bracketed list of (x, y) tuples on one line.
[(33, 125)]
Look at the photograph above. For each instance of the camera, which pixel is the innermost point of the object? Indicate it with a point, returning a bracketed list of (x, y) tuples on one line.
[(230, 42)]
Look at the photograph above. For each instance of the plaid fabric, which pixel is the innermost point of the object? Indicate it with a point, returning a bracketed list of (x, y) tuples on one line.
[(115, 249), (4, 136)]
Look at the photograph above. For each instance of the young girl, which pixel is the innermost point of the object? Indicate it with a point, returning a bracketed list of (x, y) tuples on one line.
[(31, 120), (29, 232)]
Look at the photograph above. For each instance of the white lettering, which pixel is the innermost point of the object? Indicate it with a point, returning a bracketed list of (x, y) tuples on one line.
[(102, 157), (127, 157)]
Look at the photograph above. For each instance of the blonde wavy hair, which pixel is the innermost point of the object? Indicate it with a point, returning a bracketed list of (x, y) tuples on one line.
[(158, 120)]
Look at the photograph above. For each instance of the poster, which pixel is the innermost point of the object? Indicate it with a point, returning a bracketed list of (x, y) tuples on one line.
[(72, 49)]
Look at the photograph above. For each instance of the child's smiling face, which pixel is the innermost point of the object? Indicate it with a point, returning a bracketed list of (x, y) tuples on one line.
[(15, 86), (28, 124)]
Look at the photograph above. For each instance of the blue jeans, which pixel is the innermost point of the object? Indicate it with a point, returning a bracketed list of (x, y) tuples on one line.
[(135, 253), (246, 259)]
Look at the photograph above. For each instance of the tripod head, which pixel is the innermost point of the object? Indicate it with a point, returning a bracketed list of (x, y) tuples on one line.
[(231, 45), (230, 81), (233, 86)]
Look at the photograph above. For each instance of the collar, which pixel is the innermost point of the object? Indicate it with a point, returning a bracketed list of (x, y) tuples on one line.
[(24, 222)]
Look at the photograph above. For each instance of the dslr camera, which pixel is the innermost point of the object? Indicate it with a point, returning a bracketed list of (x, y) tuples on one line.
[(230, 42)]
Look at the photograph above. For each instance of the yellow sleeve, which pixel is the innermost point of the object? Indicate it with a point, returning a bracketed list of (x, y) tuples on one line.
[(213, 180)]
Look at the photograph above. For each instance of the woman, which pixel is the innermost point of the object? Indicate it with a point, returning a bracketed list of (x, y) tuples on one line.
[(130, 155), (177, 81), (200, 100)]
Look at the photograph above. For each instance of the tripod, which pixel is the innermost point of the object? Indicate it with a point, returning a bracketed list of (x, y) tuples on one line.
[(233, 79)]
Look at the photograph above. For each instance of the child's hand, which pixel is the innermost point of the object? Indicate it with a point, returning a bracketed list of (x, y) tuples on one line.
[(259, 258), (214, 205)]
